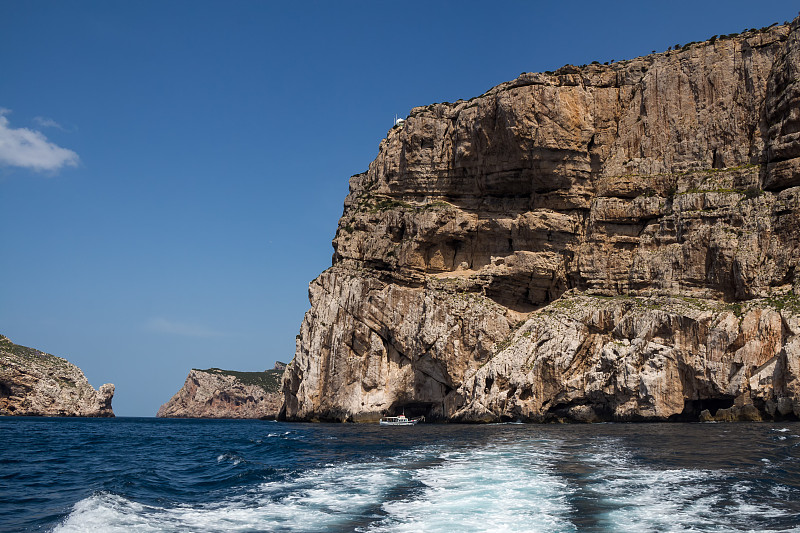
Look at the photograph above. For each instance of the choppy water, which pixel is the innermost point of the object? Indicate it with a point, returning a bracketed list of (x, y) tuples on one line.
[(152, 475)]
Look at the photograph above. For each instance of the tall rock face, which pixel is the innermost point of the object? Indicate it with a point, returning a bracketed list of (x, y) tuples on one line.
[(216, 393), (33, 383), (613, 242)]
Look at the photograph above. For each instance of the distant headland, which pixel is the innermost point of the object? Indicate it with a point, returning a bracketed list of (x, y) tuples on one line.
[(34, 383), (216, 393)]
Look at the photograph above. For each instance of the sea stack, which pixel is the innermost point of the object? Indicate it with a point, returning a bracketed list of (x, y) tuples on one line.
[(603, 242), (216, 393), (34, 383)]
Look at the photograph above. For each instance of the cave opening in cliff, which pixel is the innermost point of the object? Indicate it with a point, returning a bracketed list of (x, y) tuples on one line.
[(788, 417), (693, 408), (413, 409), (5, 391)]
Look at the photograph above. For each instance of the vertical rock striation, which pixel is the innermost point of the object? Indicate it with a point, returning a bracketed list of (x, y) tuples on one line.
[(606, 242), (33, 383)]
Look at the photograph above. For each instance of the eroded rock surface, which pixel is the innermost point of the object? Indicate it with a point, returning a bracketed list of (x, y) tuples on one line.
[(216, 393), (607, 242), (34, 383)]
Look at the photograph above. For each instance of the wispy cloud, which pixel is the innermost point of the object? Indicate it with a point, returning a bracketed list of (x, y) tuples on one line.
[(44, 122), (21, 147), (184, 329)]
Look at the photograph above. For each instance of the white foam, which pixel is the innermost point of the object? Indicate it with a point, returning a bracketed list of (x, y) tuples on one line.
[(319, 500), (109, 513), (235, 459), (641, 498), (496, 489)]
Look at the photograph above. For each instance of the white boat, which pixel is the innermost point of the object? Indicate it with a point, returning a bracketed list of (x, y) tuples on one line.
[(400, 420)]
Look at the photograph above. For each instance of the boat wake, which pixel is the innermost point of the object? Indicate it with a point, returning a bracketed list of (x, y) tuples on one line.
[(509, 485)]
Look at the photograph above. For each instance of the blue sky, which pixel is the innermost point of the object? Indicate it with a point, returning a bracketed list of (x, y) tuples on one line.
[(172, 173)]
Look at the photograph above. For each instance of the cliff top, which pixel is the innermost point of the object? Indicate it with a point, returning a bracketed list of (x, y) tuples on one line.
[(596, 73), (269, 380), (29, 355)]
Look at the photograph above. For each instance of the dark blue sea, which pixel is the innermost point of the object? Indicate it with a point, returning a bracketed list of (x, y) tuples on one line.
[(154, 475)]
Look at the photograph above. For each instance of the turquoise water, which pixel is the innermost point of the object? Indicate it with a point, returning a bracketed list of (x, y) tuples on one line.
[(153, 475)]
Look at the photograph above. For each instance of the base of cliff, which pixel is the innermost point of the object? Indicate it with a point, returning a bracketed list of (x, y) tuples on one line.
[(593, 358)]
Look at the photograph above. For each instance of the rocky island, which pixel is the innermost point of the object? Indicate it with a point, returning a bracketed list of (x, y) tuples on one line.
[(216, 393), (604, 242), (34, 383)]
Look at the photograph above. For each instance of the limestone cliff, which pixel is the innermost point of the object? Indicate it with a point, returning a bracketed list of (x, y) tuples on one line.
[(216, 393), (606, 242), (33, 383)]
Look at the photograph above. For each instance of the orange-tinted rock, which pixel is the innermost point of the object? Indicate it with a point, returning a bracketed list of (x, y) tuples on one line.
[(668, 183)]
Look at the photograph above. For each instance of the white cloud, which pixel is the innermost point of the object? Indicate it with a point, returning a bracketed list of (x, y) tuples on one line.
[(21, 147), (45, 122), (162, 325)]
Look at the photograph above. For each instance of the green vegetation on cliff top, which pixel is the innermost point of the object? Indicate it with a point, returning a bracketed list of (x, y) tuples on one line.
[(28, 354), (269, 380)]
